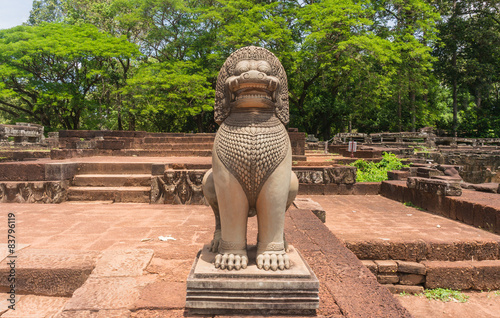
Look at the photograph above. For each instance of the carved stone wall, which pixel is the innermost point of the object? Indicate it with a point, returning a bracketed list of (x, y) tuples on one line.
[(178, 187), (478, 166), (438, 187), (335, 175), (34, 192)]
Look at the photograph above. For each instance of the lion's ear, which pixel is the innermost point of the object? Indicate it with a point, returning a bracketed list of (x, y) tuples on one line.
[(282, 107), (221, 107)]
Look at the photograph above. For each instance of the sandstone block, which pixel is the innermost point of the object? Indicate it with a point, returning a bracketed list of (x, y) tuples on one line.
[(411, 268), (387, 266), (454, 275), (388, 279), (370, 265), (411, 279), (398, 175), (398, 289), (122, 263), (486, 275)]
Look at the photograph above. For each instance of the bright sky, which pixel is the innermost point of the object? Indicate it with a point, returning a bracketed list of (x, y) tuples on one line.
[(14, 12)]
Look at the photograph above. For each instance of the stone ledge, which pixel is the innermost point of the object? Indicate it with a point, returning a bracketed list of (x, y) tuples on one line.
[(435, 186), (475, 275), (473, 208), (49, 272)]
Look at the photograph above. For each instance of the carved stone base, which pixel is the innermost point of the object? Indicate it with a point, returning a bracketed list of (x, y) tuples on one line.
[(213, 291)]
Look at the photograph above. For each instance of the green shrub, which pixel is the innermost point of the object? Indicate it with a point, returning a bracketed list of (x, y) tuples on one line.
[(369, 171)]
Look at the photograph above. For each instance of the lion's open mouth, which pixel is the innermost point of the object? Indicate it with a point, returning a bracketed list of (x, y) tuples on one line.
[(252, 85)]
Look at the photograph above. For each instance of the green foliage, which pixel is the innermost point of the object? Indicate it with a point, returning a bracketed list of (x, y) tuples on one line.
[(411, 205), (369, 65), (445, 295), (369, 171), (47, 72)]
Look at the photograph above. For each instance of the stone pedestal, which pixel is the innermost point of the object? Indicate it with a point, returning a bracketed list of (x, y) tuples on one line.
[(251, 290)]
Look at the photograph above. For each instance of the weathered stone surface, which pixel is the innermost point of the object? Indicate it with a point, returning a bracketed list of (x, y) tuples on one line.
[(112, 180), (49, 272), (37, 306), (411, 279), (388, 278), (212, 290), (491, 187), (120, 313), (411, 267), (309, 204), (115, 194), (329, 175), (107, 293), (60, 171), (178, 187), (366, 188), (386, 266), (398, 175), (122, 263), (438, 187), (161, 294), (5, 301), (23, 172), (398, 289), (424, 172), (454, 275), (34, 192), (370, 265), (22, 132), (486, 275)]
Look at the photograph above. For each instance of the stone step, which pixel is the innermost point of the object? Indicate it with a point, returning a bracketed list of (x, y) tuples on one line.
[(197, 139), (48, 272), (112, 180), (57, 154), (411, 277), (116, 168), (178, 146), (164, 153), (117, 194)]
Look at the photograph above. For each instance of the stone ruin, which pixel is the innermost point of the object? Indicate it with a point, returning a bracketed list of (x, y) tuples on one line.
[(22, 133)]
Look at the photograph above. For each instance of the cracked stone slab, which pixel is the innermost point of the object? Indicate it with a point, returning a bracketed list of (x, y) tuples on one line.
[(5, 303), (120, 313), (37, 306), (108, 293), (113, 263), (49, 272), (4, 249)]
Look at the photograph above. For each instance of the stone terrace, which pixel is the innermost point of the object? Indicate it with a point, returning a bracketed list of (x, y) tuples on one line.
[(114, 265)]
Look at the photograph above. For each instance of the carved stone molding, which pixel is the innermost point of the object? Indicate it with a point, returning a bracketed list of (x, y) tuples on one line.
[(34, 192), (178, 187)]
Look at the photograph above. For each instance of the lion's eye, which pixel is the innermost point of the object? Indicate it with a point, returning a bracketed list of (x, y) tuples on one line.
[(263, 66), (241, 67)]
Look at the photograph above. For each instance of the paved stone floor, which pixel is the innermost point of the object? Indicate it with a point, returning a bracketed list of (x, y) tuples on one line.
[(126, 228), (376, 218)]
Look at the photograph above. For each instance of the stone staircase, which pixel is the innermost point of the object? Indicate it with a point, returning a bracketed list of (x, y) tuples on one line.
[(133, 144), (125, 182)]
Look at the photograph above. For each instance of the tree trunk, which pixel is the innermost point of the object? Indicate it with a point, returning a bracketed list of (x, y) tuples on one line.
[(413, 111), (399, 112), (199, 122), (131, 122)]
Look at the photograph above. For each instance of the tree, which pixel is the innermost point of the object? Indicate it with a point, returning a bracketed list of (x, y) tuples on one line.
[(47, 72)]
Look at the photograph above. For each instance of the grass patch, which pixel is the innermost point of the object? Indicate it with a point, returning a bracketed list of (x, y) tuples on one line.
[(445, 295), (369, 171), (411, 205)]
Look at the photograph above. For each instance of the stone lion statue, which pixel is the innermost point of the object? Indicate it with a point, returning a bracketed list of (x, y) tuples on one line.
[(252, 160)]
